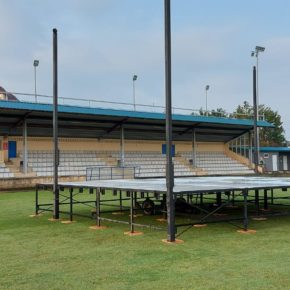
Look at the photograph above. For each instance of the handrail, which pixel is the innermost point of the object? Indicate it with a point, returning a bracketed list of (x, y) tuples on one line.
[(109, 172)]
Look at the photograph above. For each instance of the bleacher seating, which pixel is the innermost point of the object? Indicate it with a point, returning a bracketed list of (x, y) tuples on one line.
[(72, 163), (147, 164), (217, 163), (5, 172), (153, 164)]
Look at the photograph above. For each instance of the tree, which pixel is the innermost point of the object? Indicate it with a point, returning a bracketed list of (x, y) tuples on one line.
[(268, 136), (219, 112)]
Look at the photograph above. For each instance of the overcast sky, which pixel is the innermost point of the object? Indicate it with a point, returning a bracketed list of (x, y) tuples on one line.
[(102, 43)]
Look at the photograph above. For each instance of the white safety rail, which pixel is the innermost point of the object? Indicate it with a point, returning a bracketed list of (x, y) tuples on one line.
[(217, 163), (5, 172)]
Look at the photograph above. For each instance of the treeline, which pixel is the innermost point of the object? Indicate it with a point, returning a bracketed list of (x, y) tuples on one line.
[(268, 136)]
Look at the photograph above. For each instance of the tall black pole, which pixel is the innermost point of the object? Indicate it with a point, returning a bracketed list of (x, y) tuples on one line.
[(55, 129), (169, 165), (256, 153)]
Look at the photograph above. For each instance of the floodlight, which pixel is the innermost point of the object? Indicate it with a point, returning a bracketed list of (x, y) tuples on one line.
[(260, 48)]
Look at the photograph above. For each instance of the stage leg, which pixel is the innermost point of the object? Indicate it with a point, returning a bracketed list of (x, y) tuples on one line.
[(246, 221), (219, 198), (233, 198), (265, 199), (121, 201), (71, 204), (36, 201), (98, 207), (132, 213), (257, 201), (272, 196)]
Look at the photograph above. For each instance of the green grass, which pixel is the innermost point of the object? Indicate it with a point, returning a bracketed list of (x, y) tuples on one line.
[(38, 254)]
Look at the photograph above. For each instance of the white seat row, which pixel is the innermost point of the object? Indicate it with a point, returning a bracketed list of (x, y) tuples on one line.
[(217, 163)]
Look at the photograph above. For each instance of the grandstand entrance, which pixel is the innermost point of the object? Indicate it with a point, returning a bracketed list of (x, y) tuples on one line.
[(12, 149), (172, 149)]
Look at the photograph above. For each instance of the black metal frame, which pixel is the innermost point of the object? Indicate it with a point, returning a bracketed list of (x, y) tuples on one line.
[(220, 200)]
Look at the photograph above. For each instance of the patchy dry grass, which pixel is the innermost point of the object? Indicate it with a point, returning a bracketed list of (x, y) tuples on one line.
[(37, 254)]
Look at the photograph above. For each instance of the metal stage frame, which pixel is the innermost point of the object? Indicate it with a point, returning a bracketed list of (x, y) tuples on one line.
[(198, 192)]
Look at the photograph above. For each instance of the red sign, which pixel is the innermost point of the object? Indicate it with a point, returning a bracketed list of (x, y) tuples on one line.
[(5, 146)]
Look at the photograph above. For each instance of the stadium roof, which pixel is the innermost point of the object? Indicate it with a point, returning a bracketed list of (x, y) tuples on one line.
[(84, 122)]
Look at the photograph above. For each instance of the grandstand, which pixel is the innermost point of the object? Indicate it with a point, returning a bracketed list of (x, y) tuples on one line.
[(94, 137)]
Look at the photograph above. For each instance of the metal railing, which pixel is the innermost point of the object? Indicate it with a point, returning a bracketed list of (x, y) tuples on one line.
[(91, 103), (111, 172)]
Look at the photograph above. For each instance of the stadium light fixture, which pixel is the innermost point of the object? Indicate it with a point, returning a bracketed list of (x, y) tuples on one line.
[(206, 90), (134, 96), (35, 64), (256, 53), (260, 48)]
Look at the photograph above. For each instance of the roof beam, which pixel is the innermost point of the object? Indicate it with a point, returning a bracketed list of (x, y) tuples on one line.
[(188, 129), (20, 121)]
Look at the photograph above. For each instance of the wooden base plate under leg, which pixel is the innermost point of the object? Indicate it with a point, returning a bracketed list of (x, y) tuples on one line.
[(259, 218), (54, 220), (200, 225), (98, 227), (67, 222), (246, 232), (132, 234), (35, 215), (177, 241)]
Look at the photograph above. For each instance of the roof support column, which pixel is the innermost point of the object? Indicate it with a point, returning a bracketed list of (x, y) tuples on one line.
[(250, 146), (24, 147), (193, 149), (122, 147)]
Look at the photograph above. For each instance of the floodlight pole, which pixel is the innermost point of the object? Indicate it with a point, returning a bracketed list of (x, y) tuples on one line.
[(256, 53), (134, 91), (256, 148), (169, 165), (206, 90), (55, 129), (35, 65)]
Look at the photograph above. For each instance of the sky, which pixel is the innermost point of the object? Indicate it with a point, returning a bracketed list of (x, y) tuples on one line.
[(103, 43)]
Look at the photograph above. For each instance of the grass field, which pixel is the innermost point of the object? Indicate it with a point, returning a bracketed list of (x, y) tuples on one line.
[(38, 254)]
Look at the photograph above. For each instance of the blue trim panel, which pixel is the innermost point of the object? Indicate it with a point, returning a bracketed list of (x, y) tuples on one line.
[(274, 149)]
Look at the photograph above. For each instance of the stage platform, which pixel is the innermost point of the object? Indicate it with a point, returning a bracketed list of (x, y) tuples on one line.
[(185, 185), (203, 199)]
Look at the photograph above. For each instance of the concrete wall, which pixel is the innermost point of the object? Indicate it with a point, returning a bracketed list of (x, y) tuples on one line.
[(30, 182), (74, 144)]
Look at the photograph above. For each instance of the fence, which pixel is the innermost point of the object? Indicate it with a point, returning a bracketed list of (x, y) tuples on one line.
[(110, 172)]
